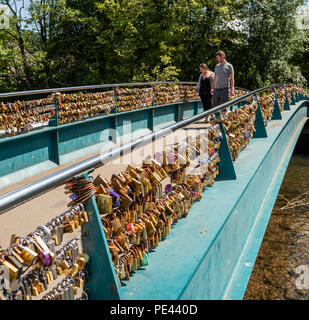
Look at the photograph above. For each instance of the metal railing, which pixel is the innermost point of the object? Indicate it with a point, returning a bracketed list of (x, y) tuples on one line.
[(54, 120), (19, 196), (91, 87)]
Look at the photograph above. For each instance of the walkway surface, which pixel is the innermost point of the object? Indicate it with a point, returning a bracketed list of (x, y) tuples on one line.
[(24, 219)]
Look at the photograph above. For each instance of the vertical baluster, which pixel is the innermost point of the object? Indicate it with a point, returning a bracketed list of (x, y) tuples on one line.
[(260, 130), (286, 101), (276, 112), (226, 166), (102, 283)]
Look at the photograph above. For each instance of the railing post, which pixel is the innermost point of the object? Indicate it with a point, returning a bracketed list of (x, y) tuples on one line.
[(195, 108), (55, 121), (104, 285), (286, 101), (296, 97), (260, 130), (115, 97), (151, 112), (150, 118), (54, 152), (153, 95), (276, 112), (226, 166), (178, 112), (293, 99)]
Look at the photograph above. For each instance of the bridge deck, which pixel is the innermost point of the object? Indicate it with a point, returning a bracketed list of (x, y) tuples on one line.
[(202, 264), (227, 212)]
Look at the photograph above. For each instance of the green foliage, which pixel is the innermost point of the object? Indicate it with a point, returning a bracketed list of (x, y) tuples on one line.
[(77, 42), (272, 40)]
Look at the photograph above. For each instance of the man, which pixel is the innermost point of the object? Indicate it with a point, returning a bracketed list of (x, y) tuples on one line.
[(224, 73)]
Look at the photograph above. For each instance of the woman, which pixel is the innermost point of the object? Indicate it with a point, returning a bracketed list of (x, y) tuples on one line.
[(204, 86)]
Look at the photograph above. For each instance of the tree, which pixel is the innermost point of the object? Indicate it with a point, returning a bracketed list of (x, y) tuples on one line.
[(55, 43), (21, 48), (272, 41)]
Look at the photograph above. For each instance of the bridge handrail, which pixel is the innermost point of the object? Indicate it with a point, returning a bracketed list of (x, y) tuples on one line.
[(21, 195), (54, 116), (91, 87)]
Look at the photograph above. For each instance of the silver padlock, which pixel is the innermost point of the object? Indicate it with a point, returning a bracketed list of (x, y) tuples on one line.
[(46, 235), (4, 278)]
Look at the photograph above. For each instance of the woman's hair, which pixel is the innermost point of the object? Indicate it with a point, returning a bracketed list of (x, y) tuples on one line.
[(204, 66)]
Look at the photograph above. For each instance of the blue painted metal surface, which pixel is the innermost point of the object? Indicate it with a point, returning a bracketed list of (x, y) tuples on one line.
[(286, 103), (276, 112), (102, 283), (24, 151), (220, 238), (218, 242), (260, 130), (188, 111), (217, 264), (166, 114), (274, 165), (226, 166), (293, 99)]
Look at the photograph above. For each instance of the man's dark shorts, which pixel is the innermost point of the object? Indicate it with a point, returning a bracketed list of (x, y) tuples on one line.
[(220, 96)]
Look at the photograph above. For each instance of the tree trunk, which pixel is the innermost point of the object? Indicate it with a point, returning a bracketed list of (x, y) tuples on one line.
[(24, 58)]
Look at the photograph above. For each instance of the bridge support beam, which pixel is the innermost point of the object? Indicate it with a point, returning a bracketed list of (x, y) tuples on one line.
[(260, 130), (286, 102), (226, 166), (293, 99), (102, 283), (276, 112)]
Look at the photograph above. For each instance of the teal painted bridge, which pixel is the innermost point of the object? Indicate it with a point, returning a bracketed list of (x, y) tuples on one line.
[(217, 264), (211, 253)]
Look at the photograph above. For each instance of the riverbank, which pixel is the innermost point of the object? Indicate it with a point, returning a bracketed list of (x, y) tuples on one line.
[(285, 245)]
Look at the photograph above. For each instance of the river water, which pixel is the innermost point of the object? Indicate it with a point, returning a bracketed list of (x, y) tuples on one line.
[(284, 252)]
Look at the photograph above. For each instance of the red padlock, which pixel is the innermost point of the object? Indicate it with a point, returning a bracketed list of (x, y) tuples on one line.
[(131, 227)]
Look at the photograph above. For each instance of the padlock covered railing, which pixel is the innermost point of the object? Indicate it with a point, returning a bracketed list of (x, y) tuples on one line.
[(23, 194), (105, 275), (74, 104)]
